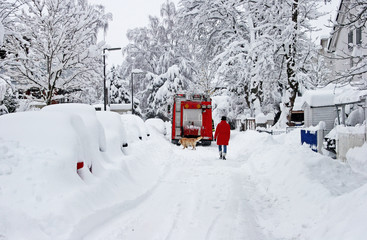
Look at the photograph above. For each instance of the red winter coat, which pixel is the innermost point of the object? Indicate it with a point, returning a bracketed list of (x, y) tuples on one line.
[(222, 133)]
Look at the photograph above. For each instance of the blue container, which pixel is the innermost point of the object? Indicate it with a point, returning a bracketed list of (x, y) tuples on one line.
[(310, 138)]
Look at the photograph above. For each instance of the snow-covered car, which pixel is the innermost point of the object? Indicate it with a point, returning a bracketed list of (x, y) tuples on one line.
[(115, 133), (157, 124), (136, 127), (58, 139), (95, 136)]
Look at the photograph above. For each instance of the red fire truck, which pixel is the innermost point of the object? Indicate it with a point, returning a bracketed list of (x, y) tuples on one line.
[(192, 117)]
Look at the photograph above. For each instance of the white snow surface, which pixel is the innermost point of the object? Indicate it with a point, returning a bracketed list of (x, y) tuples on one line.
[(270, 188)]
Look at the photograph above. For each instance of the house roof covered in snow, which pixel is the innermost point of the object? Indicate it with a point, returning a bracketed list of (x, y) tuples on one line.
[(318, 98), (350, 95), (332, 95)]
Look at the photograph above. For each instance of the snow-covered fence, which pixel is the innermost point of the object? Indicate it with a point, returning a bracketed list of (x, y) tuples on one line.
[(272, 131), (249, 124), (348, 138), (313, 137)]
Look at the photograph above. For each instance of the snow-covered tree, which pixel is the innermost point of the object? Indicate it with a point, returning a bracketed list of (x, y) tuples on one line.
[(7, 21), (53, 46), (211, 26), (259, 47), (118, 92), (161, 90), (3, 108), (7, 10), (296, 49), (157, 49)]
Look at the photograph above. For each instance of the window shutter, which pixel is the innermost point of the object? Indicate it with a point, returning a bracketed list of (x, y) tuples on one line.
[(350, 40)]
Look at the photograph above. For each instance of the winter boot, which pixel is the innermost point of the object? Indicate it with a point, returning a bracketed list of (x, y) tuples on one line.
[(224, 156), (220, 155)]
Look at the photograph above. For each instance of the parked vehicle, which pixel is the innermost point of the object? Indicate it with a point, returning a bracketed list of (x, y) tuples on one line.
[(157, 124), (192, 117), (137, 130), (95, 137), (116, 137), (58, 139)]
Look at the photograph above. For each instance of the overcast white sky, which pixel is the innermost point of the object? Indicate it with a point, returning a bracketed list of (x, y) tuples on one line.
[(127, 14)]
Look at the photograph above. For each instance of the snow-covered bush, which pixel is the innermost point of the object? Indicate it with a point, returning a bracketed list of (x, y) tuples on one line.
[(221, 107), (357, 159), (355, 117)]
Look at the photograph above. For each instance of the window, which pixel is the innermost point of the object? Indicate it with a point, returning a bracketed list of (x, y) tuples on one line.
[(359, 36), (192, 117), (350, 40)]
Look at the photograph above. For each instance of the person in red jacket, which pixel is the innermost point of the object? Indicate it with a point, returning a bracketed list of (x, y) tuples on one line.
[(222, 135)]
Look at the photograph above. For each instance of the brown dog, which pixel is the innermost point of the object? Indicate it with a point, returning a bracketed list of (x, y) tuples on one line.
[(185, 142)]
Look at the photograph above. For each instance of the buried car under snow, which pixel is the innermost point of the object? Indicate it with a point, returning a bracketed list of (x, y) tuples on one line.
[(157, 124), (57, 138), (94, 136), (115, 133), (137, 128)]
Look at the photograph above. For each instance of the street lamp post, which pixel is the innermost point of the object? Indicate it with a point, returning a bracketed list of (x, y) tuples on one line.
[(134, 71), (105, 100)]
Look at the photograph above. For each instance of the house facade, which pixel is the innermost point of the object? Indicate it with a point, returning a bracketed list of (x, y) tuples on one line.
[(346, 44)]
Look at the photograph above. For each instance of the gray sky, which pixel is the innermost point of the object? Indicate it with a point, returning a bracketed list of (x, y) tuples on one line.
[(127, 14)]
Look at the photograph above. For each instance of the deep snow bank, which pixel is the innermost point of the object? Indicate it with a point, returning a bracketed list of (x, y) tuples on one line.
[(301, 194), (41, 194)]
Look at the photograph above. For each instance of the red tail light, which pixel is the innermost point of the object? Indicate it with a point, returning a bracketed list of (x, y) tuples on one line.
[(79, 165)]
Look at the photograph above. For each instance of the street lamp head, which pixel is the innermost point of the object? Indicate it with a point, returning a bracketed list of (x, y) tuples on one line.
[(111, 49)]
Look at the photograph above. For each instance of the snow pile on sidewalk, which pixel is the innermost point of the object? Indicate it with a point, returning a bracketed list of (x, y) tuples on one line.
[(301, 194), (357, 158)]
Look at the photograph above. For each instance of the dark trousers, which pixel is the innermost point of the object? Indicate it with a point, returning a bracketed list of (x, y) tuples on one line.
[(224, 148)]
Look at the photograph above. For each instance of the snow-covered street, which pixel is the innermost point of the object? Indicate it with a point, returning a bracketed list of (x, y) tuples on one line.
[(198, 197), (270, 187)]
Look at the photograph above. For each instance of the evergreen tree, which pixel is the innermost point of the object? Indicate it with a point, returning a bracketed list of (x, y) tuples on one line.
[(161, 90), (119, 92)]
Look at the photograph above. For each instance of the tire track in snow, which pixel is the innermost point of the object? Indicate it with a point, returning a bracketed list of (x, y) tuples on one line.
[(200, 197)]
